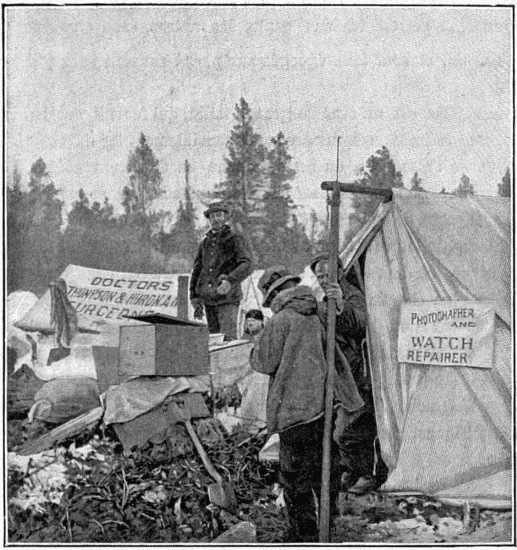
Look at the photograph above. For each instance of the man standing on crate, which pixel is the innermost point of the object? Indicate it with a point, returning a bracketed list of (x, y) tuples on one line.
[(222, 262)]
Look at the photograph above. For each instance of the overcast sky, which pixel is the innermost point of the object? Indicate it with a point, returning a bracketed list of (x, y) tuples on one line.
[(433, 84)]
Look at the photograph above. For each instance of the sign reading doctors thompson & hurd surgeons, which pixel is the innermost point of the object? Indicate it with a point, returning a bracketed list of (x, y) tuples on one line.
[(451, 334)]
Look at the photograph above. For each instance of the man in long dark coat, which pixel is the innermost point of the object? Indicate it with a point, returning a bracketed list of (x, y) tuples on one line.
[(222, 262)]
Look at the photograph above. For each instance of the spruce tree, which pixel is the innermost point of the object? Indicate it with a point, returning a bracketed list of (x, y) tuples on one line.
[(244, 172), (33, 231), (297, 250), (96, 238), (314, 230), (38, 175), (379, 171), (277, 204), (14, 200), (16, 180), (145, 179), (323, 237), (504, 189), (465, 188), (89, 239), (416, 183), (184, 233)]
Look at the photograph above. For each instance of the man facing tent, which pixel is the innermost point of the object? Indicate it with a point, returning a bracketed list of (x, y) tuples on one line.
[(290, 350), (355, 431)]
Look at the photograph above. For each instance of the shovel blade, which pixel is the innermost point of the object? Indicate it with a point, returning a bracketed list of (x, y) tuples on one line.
[(222, 495)]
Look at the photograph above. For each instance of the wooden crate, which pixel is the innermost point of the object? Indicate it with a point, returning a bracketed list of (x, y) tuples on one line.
[(163, 350), (106, 366)]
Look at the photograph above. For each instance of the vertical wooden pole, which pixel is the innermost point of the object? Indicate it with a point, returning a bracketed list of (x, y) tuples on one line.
[(324, 527), (183, 296)]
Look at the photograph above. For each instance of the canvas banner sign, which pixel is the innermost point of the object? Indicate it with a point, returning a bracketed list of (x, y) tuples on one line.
[(448, 334), (107, 297)]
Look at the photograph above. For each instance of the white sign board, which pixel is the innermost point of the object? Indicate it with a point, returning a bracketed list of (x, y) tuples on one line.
[(107, 297), (448, 334)]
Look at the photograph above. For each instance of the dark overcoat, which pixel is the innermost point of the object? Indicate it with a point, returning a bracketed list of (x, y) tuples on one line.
[(222, 255)]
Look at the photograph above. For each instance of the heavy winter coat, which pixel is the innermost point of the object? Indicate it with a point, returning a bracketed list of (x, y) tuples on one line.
[(290, 350), (350, 332), (222, 255)]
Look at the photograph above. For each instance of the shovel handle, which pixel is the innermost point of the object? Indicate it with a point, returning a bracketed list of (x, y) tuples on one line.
[(202, 453)]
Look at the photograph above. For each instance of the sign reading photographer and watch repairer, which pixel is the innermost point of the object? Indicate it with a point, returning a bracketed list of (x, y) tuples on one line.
[(451, 334)]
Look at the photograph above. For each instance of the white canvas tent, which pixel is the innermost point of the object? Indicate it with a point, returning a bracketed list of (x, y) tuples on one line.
[(444, 431)]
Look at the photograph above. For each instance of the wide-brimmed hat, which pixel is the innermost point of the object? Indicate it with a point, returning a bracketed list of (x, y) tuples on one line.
[(272, 278), (216, 207), (323, 256)]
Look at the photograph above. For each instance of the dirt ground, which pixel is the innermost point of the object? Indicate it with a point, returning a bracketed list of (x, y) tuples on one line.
[(95, 493), (379, 518)]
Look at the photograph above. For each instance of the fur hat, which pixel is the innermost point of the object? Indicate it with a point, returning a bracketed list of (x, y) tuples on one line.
[(272, 278), (255, 314), (323, 256)]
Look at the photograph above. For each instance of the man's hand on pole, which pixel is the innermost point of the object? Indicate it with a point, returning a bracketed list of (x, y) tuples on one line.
[(334, 291)]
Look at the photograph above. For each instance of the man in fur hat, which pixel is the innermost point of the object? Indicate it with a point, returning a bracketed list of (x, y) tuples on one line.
[(254, 324), (222, 262), (290, 350)]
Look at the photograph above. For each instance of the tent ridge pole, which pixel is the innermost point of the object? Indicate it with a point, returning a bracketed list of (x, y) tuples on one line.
[(385, 193)]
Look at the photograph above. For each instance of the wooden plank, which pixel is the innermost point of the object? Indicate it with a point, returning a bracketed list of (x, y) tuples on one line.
[(70, 428), (106, 366), (183, 296)]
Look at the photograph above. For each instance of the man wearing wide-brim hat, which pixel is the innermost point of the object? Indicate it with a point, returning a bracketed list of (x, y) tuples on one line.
[(222, 262), (291, 350)]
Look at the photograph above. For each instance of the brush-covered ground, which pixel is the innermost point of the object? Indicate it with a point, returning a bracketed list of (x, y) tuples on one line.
[(87, 490)]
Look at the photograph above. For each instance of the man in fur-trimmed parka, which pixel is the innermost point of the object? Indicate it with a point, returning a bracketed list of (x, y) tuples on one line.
[(290, 350)]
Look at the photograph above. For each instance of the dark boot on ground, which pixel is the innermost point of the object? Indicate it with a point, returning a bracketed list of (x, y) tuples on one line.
[(301, 511)]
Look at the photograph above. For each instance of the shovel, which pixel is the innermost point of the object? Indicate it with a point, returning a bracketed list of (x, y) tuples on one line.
[(221, 493)]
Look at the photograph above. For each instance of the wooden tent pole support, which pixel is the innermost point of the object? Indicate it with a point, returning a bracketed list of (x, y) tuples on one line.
[(324, 527), (385, 193), (337, 188)]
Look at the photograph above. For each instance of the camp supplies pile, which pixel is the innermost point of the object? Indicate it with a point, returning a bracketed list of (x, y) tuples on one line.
[(62, 399)]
